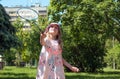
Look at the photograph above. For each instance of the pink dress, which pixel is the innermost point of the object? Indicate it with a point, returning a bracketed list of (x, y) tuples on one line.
[(50, 64)]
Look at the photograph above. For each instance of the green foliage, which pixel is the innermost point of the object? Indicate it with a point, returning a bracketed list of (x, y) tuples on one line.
[(113, 56), (86, 25), (33, 39), (9, 56), (8, 38), (30, 47)]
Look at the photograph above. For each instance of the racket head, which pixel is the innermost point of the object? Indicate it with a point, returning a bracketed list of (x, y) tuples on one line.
[(27, 14)]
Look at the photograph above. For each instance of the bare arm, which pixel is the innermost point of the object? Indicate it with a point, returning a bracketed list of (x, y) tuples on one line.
[(42, 36), (74, 69), (66, 63)]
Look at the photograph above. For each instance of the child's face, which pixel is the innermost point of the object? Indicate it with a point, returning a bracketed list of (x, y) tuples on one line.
[(53, 30)]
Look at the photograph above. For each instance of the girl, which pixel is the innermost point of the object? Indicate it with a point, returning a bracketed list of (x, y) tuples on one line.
[(51, 63)]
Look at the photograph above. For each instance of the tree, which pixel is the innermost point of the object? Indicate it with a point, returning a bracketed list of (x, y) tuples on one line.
[(112, 58), (30, 47), (9, 57), (109, 10), (8, 38), (32, 42), (86, 25)]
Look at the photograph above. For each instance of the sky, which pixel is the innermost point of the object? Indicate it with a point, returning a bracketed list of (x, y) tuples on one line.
[(12, 3)]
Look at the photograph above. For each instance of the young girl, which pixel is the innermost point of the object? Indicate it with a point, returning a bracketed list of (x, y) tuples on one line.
[(51, 63)]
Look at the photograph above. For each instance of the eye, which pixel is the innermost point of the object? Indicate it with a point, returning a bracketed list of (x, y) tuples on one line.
[(51, 26), (56, 27)]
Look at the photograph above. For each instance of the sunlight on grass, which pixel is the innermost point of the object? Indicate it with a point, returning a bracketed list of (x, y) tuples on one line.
[(108, 69), (17, 73), (12, 72)]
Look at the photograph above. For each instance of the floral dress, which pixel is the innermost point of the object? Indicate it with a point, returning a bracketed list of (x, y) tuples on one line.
[(50, 64)]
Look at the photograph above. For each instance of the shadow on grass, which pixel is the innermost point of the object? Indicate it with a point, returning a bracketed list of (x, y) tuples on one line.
[(91, 77), (17, 78), (7, 69), (107, 73), (10, 75), (112, 72), (102, 75)]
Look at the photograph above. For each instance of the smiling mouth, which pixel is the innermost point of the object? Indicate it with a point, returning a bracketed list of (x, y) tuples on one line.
[(52, 31)]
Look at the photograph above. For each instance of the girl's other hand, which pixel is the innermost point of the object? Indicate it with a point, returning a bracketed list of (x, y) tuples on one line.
[(75, 69)]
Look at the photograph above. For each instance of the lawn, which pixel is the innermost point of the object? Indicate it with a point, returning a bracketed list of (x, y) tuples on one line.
[(12, 72)]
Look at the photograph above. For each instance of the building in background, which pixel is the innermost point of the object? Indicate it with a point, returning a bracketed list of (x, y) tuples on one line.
[(12, 11)]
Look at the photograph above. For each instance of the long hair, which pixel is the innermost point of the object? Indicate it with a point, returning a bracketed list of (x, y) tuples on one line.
[(58, 37)]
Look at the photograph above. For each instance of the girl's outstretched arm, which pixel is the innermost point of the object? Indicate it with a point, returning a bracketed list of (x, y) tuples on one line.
[(74, 69)]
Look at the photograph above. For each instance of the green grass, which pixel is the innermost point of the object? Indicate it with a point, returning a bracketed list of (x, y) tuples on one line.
[(12, 72)]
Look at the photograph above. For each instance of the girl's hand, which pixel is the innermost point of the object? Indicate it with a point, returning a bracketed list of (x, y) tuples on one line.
[(75, 69), (43, 35)]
